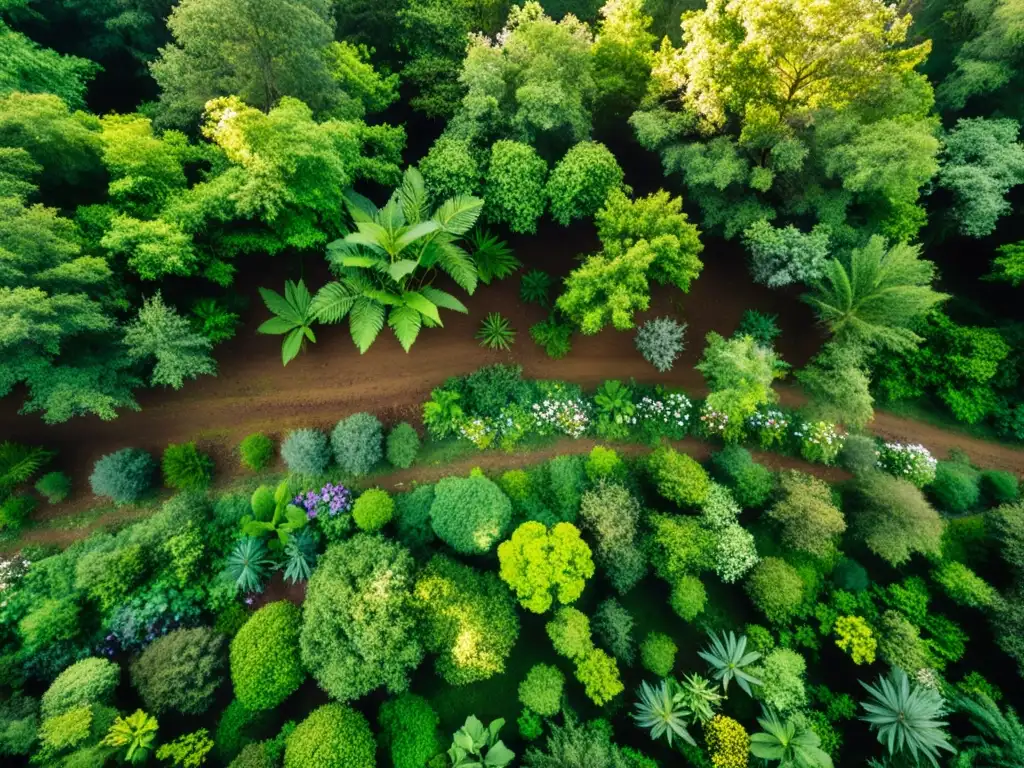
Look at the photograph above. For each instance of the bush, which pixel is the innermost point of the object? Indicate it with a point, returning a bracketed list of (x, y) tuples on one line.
[(449, 168), (357, 443), (956, 488), (86, 682), (599, 674), (612, 516), (265, 664), (566, 478), (373, 510), (412, 517), (679, 545), (569, 631), (306, 451), (858, 454), (782, 680), (55, 486), (908, 461), (180, 672), (186, 468), (408, 728), (688, 598), (237, 728), (15, 511), (470, 514), (124, 476), (658, 654), (581, 182), (541, 690), (808, 519), (853, 635), (964, 586), (997, 487), (660, 341), (728, 742), (257, 451), (678, 477), (333, 736), (851, 576), (604, 464), (614, 626), (751, 483), (900, 644), (776, 589), (543, 566), (514, 189), (892, 517), (188, 751), (403, 445)]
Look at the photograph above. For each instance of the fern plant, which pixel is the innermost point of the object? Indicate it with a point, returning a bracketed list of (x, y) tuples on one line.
[(535, 288), (18, 464), (248, 564), (793, 745), (186, 468), (135, 734), (662, 711), (214, 320), (496, 332), (728, 657), (494, 259), (293, 317), (999, 741), (907, 717), (442, 413), (300, 556), (386, 266), (554, 335)]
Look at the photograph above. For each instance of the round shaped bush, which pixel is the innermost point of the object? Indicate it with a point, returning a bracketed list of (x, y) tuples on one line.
[(658, 654), (86, 682), (997, 487), (180, 672), (858, 454), (306, 451), (256, 451), (265, 664), (403, 445), (237, 728), (956, 487), (333, 736), (55, 486), (688, 597), (678, 477), (775, 588), (124, 476), (850, 575), (357, 443), (470, 514), (408, 727), (373, 510), (751, 483), (186, 468), (253, 756), (582, 181), (541, 690)]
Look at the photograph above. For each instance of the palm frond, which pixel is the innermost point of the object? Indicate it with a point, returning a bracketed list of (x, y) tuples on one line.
[(459, 266), (300, 556), (248, 563), (406, 323), (496, 332), (413, 196), (494, 259), (661, 711), (458, 214), (728, 656), (332, 302), (366, 318), (444, 300)]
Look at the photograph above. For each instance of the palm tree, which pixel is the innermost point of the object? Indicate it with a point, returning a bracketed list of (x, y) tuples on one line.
[(793, 745), (386, 267), (906, 717), (999, 742), (248, 564), (662, 711), (874, 297), (293, 315), (728, 657)]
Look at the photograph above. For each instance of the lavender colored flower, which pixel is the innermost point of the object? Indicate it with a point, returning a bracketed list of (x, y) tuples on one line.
[(331, 500)]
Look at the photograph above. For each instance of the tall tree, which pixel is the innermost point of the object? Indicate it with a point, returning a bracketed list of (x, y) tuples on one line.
[(623, 54), (178, 351), (30, 68)]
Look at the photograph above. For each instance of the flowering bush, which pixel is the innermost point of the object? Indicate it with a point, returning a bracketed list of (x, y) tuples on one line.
[(735, 553), (569, 416), (12, 571), (329, 501), (855, 637), (819, 441), (727, 741), (665, 414), (515, 423), (480, 432), (908, 461), (713, 423), (771, 427)]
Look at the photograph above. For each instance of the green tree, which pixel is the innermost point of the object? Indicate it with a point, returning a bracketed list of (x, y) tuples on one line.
[(514, 189), (836, 381), (582, 181), (181, 671), (788, 741), (265, 663), (623, 54), (29, 68), (808, 518), (893, 518), (333, 736), (542, 566), (180, 353), (739, 372)]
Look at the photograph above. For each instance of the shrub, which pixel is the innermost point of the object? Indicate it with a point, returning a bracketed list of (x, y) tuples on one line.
[(470, 514), (660, 341), (188, 751), (850, 575), (124, 476), (531, 727), (357, 443), (373, 510), (854, 636), (358, 629), (554, 335), (412, 517), (257, 451), (892, 517), (86, 682), (450, 168), (333, 736), (237, 728), (688, 598), (541, 690), (542, 566), (186, 468), (679, 545), (858, 454), (614, 626), (678, 477), (964, 586), (569, 631), (997, 487), (306, 451), (469, 619), (15, 510), (728, 742), (735, 552), (658, 654), (581, 182), (55, 486), (808, 519), (265, 664), (604, 464), (181, 671), (612, 515), (403, 445), (776, 589), (956, 487), (900, 644), (1007, 524), (719, 509), (408, 727), (566, 478), (781, 673), (514, 188), (763, 327), (49, 623), (751, 483), (908, 462), (599, 674)]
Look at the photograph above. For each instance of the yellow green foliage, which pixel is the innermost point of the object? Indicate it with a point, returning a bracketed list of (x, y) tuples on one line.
[(542, 565), (855, 637)]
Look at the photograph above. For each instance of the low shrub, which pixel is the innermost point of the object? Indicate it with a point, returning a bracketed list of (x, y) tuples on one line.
[(613, 625), (86, 682), (256, 451), (408, 727), (776, 589), (689, 598), (566, 479), (306, 451), (333, 736), (859, 454), (180, 672), (956, 488), (661, 341), (403, 445), (358, 443), (678, 477), (412, 517), (964, 586), (54, 486), (470, 514), (373, 510), (908, 462), (569, 631), (997, 487), (541, 690), (658, 654), (124, 476), (15, 511), (237, 728), (265, 664), (751, 483), (186, 468), (604, 464)]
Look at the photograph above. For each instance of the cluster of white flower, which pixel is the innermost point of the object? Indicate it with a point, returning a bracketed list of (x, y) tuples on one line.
[(12, 570), (719, 509), (770, 425), (909, 461), (672, 409), (568, 417), (735, 553), (480, 432), (714, 422), (819, 441)]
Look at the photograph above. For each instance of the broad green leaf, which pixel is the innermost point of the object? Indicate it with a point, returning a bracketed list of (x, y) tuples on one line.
[(384, 297), (277, 304), (499, 756), (276, 325), (422, 305), (309, 334), (414, 233), (459, 265), (333, 302), (405, 322), (360, 208), (413, 195), (444, 300), (365, 321), (401, 268), (297, 295), (358, 261), (291, 345)]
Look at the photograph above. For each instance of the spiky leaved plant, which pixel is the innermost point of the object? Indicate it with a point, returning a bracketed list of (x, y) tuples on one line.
[(494, 259), (18, 463), (999, 741), (496, 332), (300, 556), (792, 744), (906, 717), (661, 710), (534, 287), (728, 657), (294, 316), (135, 733), (701, 697), (248, 564)]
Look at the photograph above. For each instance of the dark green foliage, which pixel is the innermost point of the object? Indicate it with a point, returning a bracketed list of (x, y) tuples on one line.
[(581, 181), (470, 514), (358, 443), (850, 575), (535, 288), (333, 736), (776, 589), (751, 483), (181, 671), (1008, 624), (997, 487), (566, 479), (496, 332), (403, 445), (859, 454), (18, 463), (19, 725), (213, 319), (186, 468), (489, 389), (300, 556), (124, 476), (555, 335), (86, 682), (956, 488), (265, 663), (412, 517), (613, 626), (373, 510), (494, 259), (763, 327), (408, 728), (15, 511), (55, 486), (238, 727), (257, 451), (306, 451), (1007, 523), (248, 564), (678, 477), (577, 745), (893, 518)]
